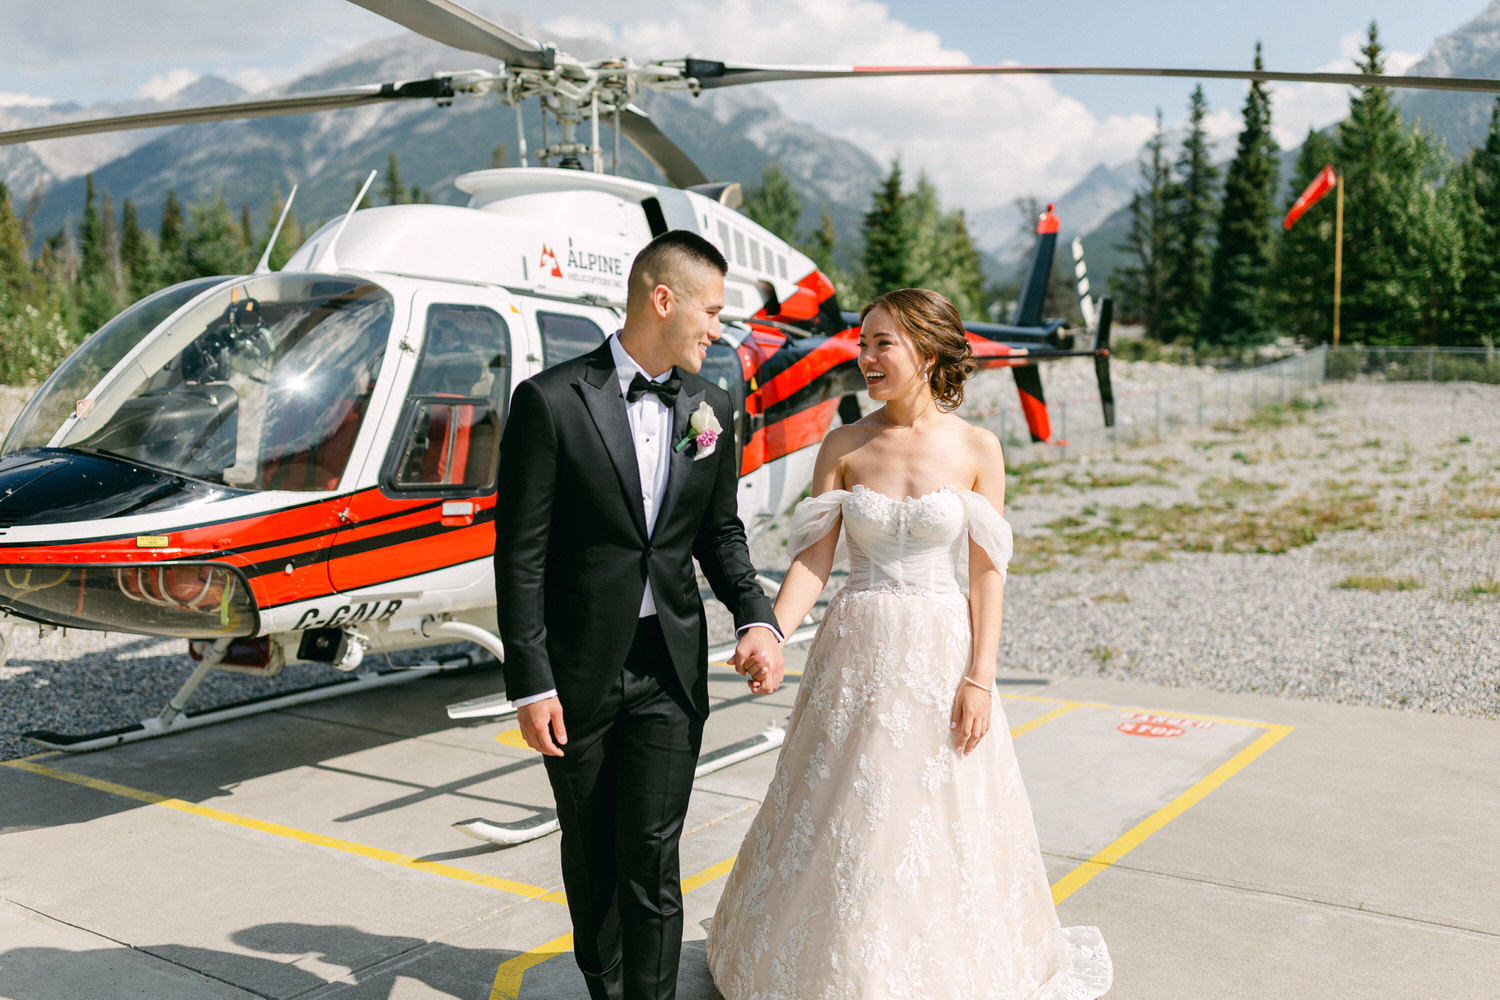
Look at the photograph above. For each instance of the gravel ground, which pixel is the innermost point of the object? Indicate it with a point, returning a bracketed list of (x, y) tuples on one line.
[(1344, 549)]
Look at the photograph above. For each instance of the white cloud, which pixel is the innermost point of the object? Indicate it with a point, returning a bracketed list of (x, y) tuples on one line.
[(12, 100), (1298, 107), (164, 85)]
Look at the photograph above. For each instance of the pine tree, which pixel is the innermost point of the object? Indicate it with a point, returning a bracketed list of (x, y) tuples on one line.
[(1302, 271), (170, 243), (1191, 209), (1473, 201), (1142, 278), (390, 187), (774, 204), (247, 235), (95, 290), (17, 281), (887, 232), (214, 243), (1237, 314), (1400, 263), (137, 254), (961, 275)]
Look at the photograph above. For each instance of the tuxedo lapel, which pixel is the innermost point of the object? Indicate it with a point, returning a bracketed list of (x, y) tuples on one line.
[(600, 389), (680, 463)]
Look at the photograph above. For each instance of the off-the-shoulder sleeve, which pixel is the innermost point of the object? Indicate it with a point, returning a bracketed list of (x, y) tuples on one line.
[(813, 518), (989, 529)]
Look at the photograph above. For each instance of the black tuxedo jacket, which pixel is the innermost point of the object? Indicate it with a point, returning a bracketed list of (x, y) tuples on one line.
[(572, 550)]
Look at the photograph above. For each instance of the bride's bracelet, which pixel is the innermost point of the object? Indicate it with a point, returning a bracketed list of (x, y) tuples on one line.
[(969, 680)]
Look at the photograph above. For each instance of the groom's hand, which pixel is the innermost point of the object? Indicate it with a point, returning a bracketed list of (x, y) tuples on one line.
[(757, 656), (542, 726)]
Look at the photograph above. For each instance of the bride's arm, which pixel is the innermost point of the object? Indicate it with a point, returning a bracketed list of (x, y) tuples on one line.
[(808, 574), (971, 703)]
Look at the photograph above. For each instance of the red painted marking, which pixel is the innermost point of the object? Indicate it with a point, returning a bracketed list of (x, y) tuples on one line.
[(823, 358), (1167, 720), (1047, 223), (1151, 729)]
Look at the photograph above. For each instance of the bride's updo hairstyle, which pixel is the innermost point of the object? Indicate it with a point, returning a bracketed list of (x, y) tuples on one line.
[(935, 328)]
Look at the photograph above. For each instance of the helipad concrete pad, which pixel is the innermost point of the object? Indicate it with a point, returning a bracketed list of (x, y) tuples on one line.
[(1227, 845)]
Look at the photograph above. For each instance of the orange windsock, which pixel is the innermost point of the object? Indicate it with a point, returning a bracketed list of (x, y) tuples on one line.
[(1321, 185)]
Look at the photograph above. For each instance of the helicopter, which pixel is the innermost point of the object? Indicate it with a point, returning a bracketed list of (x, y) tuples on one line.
[(300, 465)]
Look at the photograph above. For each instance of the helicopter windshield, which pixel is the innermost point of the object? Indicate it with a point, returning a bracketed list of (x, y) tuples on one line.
[(260, 385), (83, 369)]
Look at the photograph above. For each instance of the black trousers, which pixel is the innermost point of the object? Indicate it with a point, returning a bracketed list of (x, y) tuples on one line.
[(622, 788)]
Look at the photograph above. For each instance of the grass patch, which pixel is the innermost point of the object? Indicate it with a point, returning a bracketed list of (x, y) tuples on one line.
[(1377, 583), (1116, 597), (1149, 532), (1482, 589), (1233, 490)]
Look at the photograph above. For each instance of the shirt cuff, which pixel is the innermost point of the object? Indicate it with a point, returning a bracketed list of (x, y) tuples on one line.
[(774, 630), (532, 699)]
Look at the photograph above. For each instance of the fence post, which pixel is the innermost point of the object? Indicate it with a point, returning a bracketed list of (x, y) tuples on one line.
[(1200, 403), (1062, 425), (1431, 353), (1228, 399), (1158, 415), (1254, 392)]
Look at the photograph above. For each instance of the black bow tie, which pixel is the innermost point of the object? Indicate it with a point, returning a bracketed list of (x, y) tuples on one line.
[(667, 390)]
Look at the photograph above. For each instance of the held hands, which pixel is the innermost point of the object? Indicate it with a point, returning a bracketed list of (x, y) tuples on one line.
[(542, 726), (757, 657), (971, 715)]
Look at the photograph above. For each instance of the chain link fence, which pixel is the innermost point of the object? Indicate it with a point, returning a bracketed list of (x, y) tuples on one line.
[(1151, 414), (1415, 364)]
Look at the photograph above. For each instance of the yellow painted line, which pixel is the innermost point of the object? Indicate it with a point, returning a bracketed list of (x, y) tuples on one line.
[(291, 833), (1134, 837), (512, 738), (507, 985), (707, 875), (1042, 720), (1149, 711)]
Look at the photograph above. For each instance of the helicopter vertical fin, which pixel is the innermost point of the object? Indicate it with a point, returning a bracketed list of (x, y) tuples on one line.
[(1033, 403), (1034, 287)]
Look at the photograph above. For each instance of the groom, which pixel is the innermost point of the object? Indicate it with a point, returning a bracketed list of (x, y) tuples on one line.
[(613, 479)]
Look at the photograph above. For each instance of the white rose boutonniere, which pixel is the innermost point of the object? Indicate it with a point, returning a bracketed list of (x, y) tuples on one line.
[(703, 430)]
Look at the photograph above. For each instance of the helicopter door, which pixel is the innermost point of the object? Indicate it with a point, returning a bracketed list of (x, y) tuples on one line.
[(437, 483)]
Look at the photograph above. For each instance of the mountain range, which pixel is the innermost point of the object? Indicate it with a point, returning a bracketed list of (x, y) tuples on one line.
[(731, 134)]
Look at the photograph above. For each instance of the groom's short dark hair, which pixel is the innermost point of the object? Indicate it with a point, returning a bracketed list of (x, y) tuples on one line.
[(664, 259)]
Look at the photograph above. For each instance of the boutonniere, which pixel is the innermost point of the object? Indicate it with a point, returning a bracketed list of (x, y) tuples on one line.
[(703, 430)]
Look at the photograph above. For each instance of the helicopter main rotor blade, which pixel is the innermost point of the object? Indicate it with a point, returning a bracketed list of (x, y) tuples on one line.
[(437, 88), (446, 22), (711, 74), (653, 142)]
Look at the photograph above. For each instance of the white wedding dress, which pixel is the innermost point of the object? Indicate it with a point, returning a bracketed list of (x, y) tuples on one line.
[(883, 864)]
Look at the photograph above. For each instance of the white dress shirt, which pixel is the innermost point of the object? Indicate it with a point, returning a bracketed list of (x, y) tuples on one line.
[(651, 428)]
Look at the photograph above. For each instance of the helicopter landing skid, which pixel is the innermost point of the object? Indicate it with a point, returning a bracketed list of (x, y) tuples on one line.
[(174, 718), (545, 820)]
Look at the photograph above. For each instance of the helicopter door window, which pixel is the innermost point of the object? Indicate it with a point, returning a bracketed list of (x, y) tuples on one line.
[(450, 437), (565, 336)]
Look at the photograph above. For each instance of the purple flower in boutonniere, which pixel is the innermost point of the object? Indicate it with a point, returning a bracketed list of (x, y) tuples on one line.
[(703, 430)]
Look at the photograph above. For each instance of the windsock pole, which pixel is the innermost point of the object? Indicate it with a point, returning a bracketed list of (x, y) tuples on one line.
[(1338, 254)]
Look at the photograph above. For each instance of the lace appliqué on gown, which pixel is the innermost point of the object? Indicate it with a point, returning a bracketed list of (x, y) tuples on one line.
[(883, 864)]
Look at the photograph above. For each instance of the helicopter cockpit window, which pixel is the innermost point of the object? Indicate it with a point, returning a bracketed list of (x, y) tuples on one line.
[(450, 432), (59, 396), (565, 337), (262, 385)]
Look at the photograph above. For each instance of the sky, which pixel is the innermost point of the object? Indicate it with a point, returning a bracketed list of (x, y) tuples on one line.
[(983, 142)]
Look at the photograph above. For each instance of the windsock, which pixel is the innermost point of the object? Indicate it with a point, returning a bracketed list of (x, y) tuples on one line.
[(1321, 185)]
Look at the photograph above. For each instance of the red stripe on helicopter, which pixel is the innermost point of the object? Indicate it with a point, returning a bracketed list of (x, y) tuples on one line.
[(836, 350), (800, 430), (1035, 412)]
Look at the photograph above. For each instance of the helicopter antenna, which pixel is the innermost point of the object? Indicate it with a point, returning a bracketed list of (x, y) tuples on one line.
[(264, 267), (329, 258)]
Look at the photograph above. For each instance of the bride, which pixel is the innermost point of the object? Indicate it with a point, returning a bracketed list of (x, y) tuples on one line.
[(895, 856)]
